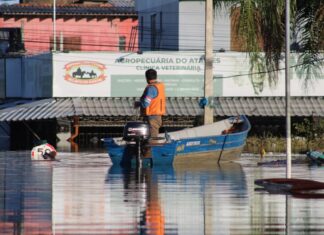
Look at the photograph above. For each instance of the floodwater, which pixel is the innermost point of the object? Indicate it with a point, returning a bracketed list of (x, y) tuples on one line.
[(81, 193)]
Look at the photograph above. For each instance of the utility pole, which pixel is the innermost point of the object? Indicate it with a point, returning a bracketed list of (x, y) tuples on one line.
[(287, 77), (54, 25), (209, 57)]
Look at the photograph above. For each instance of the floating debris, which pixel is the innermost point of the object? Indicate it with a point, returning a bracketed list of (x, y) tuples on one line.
[(43, 152), (300, 188), (275, 163)]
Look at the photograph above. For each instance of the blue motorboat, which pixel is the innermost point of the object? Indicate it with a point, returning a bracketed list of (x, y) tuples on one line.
[(217, 142)]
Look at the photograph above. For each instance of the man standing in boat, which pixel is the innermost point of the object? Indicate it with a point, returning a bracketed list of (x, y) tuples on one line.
[(152, 103)]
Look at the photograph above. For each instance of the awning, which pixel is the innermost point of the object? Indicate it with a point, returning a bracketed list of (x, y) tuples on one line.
[(176, 106)]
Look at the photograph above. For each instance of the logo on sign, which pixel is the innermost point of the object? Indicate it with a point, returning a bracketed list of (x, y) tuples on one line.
[(85, 72)]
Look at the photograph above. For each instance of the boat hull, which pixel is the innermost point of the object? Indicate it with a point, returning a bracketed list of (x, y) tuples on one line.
[(197, 150), (207, 158)]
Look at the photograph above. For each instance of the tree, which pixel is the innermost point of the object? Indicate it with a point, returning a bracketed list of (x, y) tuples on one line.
[(261, 26), (310, 129)]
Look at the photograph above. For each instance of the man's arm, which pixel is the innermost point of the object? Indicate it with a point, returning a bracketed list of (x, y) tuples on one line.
[(149, 94)]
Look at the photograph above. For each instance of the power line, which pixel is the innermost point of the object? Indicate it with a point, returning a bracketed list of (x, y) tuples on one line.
[(272, 71), (166, 36)]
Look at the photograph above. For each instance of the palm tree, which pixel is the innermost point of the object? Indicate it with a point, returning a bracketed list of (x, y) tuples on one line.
[(260, 24)]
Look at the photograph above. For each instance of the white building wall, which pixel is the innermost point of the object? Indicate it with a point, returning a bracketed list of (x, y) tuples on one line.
[(192, 26), (222, 30), (181, 25)]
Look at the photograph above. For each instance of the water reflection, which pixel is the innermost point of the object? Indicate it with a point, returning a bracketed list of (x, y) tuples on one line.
[(25, 196), (83, 194), (141, 203), (180, 200)]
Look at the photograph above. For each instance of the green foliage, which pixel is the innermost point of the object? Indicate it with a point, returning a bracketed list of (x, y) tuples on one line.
[(304, 128), (261, 26), (310, 128), (313, 127)]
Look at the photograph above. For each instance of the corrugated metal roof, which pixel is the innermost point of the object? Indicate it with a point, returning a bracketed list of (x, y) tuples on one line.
[(269, 106), (36, 110), (75, 9), (176, 106)]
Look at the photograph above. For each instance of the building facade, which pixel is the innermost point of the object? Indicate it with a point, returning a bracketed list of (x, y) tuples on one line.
[(72, 27), (180, 25), (81, 85)]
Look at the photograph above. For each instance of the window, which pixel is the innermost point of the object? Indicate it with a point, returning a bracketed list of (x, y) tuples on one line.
[(4, 35), (67, 43), (122, 43), (11, 40)]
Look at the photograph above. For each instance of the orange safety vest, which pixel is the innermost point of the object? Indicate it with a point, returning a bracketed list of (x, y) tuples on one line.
[(157, 106)]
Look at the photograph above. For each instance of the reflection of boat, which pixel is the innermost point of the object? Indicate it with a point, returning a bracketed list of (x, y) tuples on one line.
[(229, 172), (141, 197), (219, 141), (174, 200)]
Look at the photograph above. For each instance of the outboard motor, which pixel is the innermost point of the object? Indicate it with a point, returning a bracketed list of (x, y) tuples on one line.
[(136, 134)]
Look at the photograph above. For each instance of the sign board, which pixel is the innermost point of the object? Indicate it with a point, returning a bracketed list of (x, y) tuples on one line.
[(122, 75)]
